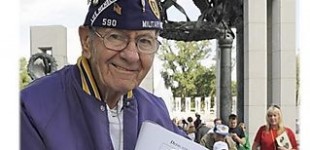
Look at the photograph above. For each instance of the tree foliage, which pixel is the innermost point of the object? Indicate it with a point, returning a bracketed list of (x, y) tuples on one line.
[(183, 72), (234, 90), (24, 78)]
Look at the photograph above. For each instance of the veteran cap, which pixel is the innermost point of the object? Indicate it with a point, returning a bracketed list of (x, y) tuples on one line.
[(221, 129), (124, 14)]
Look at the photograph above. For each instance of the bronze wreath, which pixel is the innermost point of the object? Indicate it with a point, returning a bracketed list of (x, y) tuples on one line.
[(49, 64)]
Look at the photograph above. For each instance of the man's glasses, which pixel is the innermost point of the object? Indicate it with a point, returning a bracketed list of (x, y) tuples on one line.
[(118, 41)]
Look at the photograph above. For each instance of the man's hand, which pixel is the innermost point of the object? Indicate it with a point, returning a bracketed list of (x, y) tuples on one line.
[(236, 138)]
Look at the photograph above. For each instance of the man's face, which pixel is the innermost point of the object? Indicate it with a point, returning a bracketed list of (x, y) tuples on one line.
[(122, 70), (233, 123), (218, 122)]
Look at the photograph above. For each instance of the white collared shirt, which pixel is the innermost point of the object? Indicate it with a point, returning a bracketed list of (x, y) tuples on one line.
[(115, 116)]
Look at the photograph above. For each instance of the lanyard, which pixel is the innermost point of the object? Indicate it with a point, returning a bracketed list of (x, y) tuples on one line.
[(273, 140)]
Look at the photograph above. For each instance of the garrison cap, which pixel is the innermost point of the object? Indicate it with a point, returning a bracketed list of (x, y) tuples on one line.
[(124, 14), (221, 129)]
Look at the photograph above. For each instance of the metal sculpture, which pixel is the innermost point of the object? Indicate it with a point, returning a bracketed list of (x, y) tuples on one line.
[(215, 22), (216, 19), (41, 64)]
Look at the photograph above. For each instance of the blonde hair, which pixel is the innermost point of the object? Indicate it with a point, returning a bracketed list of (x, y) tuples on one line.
[(275, 110)]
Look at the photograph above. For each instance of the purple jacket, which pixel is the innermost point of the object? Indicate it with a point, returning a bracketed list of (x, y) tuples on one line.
[(56, 114)]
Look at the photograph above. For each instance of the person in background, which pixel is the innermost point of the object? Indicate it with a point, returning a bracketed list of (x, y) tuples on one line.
[(201, 131), (97, 103), (266, 136), (184, 125), (216, 121), (236, 133), (198, 121), (220, 132), (190, 121), (247, 145), (191, 132), (208, 139)]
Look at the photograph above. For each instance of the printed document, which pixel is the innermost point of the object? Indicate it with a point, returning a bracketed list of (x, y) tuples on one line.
[(155, 137)]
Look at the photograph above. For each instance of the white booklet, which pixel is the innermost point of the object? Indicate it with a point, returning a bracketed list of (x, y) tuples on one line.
[(155, 137), (284, 141)]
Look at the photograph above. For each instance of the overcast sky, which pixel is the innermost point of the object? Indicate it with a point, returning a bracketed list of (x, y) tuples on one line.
[(71, 14)]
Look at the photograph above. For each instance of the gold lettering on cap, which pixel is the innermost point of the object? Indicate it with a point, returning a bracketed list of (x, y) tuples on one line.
[(154, 8)]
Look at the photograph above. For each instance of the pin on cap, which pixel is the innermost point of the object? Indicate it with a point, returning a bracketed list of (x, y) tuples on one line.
[(143, 5), (95, 2)]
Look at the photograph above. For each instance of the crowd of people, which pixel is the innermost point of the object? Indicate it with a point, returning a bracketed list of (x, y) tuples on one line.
[(233, 136), (218, 136)]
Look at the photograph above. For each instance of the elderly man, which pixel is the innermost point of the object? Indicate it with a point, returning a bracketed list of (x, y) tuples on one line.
[(97, 104)]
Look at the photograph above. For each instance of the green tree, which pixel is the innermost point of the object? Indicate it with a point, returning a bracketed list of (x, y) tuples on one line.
[(24, 79), (234, 91), (183, 72), (205, 82)]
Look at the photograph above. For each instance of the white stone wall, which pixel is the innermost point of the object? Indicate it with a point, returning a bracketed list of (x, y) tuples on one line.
[(53, 36), (255, 64), (270, 61), (284, 58)]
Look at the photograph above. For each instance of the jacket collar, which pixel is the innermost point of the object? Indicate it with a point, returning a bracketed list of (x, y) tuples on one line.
[(88, 82)]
